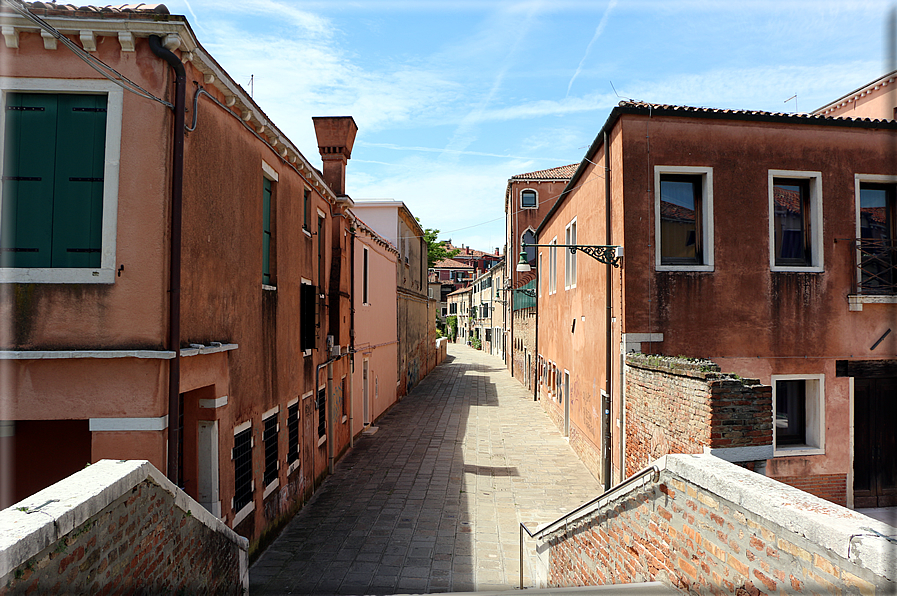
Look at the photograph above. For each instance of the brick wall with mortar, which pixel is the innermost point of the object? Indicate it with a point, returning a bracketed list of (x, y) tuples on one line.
[(831, 487), (100, 532), (524, 343), (710, 527), (679, 405)]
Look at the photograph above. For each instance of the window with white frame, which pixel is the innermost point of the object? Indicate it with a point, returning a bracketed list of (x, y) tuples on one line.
[(553, 267), (798, 414), (61, 147), (570, 256), (529, 199), (683, 218), (876, 222), (795, 220)]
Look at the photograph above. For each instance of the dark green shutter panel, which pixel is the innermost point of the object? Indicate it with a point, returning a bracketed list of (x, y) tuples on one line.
[(28, 174), (78, 196), (266, 234)]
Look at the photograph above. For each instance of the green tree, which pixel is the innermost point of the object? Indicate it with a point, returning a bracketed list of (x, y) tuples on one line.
[(436, 249)]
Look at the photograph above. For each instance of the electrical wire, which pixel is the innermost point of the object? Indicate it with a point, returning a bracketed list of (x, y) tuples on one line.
[(92, 61)]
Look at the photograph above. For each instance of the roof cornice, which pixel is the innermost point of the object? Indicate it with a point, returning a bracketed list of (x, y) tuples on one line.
[(128, 27)]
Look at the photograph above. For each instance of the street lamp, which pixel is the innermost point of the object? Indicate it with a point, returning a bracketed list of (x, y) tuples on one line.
[(609, 255)]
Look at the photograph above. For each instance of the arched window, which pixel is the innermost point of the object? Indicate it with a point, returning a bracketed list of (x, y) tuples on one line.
[(529, 238)]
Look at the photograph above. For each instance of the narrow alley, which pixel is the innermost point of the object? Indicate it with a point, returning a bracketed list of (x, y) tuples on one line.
[(431, 502)]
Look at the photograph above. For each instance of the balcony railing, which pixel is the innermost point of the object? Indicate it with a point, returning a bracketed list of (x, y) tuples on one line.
[(877, 262)]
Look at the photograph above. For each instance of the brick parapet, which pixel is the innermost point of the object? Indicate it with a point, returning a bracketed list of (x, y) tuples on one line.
[(709, 527), (118, 525), (683, 405)]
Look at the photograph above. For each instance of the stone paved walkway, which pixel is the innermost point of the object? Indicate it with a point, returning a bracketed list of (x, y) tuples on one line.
[(432, 501)]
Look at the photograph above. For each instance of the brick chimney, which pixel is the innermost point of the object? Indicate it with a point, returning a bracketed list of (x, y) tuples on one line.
[(336, 136)]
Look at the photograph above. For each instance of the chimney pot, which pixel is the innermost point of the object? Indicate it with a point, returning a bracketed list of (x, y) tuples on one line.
[(336, 137)]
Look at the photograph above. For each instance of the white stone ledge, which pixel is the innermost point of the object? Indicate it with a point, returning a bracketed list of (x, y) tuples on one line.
[(855, 302), (823, 523), (33, 524), (739, 454), (128, 424), (69, 354), (214, 348)]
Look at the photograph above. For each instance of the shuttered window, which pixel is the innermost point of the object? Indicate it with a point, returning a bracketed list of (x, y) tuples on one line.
[(54, 158)]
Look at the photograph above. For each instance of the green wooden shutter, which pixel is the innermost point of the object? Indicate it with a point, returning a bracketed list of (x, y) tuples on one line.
[(266, 232), (28, 175), (78, 195)]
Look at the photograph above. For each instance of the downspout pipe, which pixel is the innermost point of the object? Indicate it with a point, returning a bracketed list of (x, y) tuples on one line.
[(174, 283), (352, 340), (609, 315)]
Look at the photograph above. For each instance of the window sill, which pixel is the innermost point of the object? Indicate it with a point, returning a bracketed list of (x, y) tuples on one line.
[(795, 269), (694, 268), (57, 275), (798, 450), (294, 465), (855, 302), (345, 418), (271, 488), (322, 440), (533, 207), (306, 231), (243, 514), (306, 353), (268, 288)]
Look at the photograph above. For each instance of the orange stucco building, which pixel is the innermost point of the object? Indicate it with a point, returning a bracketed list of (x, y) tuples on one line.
[(761, 241), (183, 298)]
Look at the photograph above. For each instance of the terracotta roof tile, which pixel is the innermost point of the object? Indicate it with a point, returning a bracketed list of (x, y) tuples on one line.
[(559, 173), (451, 264), (684, 110), (109, 10)]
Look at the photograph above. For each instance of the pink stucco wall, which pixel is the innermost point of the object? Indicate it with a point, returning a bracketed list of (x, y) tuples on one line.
[(375, 325)]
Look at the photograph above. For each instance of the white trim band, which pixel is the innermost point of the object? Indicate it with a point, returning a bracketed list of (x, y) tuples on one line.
[(128, 424)]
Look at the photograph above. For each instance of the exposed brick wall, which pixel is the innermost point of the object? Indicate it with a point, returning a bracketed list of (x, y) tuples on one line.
[(683, 532), (676, 405), (831, 487), (524, 323), (142, 542)]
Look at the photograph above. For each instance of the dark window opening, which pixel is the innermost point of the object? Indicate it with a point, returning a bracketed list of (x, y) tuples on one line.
[(321, 405), (791, 220), (681, 219), (791, 412)]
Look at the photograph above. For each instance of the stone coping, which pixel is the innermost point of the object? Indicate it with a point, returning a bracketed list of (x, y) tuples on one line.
[(850, 535), (33, 524)]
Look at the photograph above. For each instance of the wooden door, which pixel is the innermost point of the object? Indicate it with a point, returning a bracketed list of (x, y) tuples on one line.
[(875, 442)]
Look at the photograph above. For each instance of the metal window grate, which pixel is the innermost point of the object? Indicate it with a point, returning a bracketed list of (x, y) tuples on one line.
[(877, 263), (270, 449), (321, 405), (293, 433), (242, 456)]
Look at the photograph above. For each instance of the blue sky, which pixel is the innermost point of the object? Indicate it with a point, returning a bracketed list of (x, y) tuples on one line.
[(452, 98)]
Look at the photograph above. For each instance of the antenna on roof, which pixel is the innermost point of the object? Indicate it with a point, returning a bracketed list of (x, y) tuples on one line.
[(794, 97), (252, 85), (617, 94), (891, 40)]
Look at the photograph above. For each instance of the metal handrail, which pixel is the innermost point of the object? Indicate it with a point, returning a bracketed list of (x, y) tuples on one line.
[(606, 494)]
